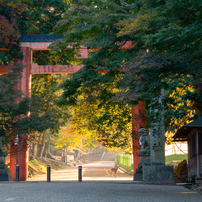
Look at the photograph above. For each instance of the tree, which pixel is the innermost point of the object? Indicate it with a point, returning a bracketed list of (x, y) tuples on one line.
[(166, 53), (26, 17), (44, 93), (9, 31), (170, 32), (30, 17), (107, 124), (40, 17), (13, 116), (93, 24), (9, 109)]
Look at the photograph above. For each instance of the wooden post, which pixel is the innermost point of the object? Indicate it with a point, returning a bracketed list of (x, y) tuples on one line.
[(197, 154), (19, 153), (138, 120)]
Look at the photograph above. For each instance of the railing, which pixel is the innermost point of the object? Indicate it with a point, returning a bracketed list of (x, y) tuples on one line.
[(176, 152), (173, 152), (125, 162)]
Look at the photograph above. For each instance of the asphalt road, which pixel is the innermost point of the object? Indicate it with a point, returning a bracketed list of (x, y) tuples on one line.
[(97, 186), (92, 191), (96, 171)]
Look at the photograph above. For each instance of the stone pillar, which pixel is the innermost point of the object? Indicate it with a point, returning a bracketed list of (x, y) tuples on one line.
[(84, 52), (4, 171), (138, 121), (144, 153), (19, 151), (157, 134), (157, 172)]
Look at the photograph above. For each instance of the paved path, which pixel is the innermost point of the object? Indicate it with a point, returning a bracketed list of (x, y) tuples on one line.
[(114, 191), (97, 186), (96, 171)]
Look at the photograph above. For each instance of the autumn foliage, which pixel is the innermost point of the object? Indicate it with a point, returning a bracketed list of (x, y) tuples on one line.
[(9, 31)]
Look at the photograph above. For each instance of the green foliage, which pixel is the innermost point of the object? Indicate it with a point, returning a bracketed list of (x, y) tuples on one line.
[(9, 109), (39, 17), (9, 31), (44, 93), (34, 162), (170, 32), (14, 117), (166, 54), (93, 24), (26, 17), (37, 166), (28, 115), (107, 123)]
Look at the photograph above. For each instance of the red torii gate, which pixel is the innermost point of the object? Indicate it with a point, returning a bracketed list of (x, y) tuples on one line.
[(42, 42)]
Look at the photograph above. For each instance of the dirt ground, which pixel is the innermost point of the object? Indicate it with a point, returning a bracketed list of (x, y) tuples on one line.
[(38, 166)]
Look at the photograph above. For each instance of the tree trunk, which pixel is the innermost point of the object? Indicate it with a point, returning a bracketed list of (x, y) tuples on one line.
[(47, 145), (43, 144), (35, 147)]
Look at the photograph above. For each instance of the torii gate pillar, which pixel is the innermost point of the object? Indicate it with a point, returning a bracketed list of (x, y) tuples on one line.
[(138, 120), (19, 154)]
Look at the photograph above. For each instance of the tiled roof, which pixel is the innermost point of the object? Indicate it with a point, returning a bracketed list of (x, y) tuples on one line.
[(196, 123), (184, 131), (39, 38)]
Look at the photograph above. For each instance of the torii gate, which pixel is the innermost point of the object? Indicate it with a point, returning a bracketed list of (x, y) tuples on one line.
[(42, 42)]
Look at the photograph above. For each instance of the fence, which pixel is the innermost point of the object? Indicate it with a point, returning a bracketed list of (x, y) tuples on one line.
[(125, 162), (176, 152), (173, 152)]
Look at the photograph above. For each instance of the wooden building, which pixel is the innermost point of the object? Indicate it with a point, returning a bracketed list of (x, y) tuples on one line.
[(192, 133)]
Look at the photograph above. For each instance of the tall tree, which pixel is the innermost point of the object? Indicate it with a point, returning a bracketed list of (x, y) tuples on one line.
[(44, 93), (108, 124), (40, 17), (9, 31), (93, 24), (170, 32), (13, 115), (9, 110), (166, 53), (26, 17)]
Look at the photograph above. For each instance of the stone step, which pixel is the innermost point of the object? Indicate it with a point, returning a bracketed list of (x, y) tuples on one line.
[(3, 171), (3, 166), (5, 177)]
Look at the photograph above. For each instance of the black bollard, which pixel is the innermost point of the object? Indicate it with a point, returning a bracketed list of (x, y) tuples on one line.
[(48, 173), (17, 173), (80, 173)]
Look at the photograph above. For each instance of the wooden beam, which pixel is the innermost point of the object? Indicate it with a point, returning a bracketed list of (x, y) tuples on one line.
[(54, 69), (45, 45), (4, 69), (36, 45)]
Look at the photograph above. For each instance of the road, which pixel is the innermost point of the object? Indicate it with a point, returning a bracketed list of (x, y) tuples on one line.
[(96, 171), (97, 186)]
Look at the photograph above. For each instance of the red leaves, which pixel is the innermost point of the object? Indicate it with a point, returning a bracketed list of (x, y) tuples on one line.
[(8, 32)]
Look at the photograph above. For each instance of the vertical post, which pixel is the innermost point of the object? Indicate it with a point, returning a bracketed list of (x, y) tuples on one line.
[(23, 85), (17, 173), (48, 173), (138, 120), (157, 131), (197, 155), (80, 173)]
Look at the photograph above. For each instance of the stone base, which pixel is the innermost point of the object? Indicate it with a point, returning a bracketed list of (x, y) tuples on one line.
[(5, 173), (198, 181), (158, 174), (137, 177), (5, 177), (144, 161)]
